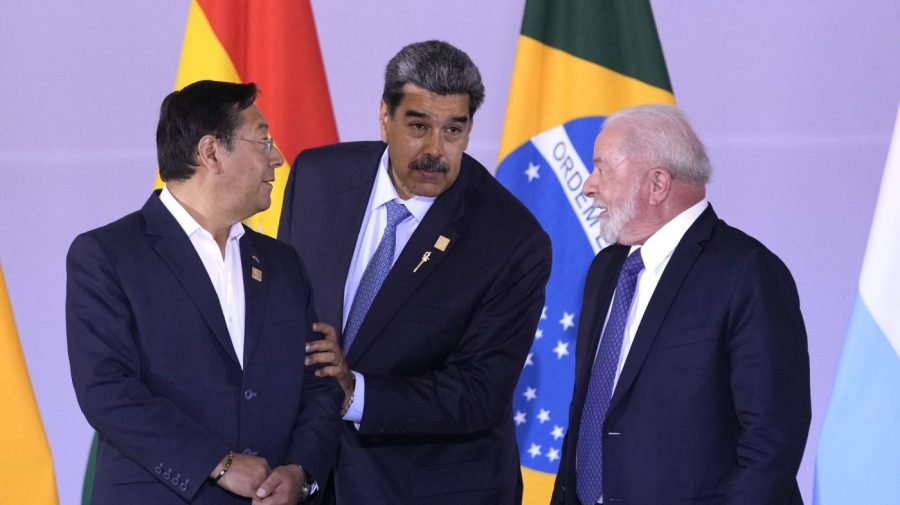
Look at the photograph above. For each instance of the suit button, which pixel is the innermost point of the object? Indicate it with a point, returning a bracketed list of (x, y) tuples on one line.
[(249, 394)]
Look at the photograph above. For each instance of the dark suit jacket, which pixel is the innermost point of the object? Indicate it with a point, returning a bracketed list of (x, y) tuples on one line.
[(156, 374), (441, 349), (712, 405)]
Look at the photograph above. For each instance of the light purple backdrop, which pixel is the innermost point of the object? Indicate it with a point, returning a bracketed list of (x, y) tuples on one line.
[(795, 100)]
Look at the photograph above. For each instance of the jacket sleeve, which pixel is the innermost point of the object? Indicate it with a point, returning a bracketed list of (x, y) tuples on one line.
[(769, 382), (106, 373)]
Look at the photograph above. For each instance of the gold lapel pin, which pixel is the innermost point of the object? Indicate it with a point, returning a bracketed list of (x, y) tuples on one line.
[(441, 243), (256, 274)]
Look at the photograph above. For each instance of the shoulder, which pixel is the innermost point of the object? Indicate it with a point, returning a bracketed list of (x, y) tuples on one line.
[(494, 206), (339, 151), (120, 232)]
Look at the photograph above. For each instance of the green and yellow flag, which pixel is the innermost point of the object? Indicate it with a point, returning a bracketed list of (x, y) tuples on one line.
[(577, 62), (26, 470)]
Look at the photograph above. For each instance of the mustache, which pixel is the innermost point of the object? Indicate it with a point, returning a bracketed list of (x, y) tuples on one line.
[(430, 163)]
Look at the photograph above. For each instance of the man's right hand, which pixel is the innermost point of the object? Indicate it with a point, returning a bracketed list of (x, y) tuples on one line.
[(244, 476)]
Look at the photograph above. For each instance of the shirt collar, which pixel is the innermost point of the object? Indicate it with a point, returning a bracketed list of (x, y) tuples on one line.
[(187, 222), (385, 191), (657, 249)]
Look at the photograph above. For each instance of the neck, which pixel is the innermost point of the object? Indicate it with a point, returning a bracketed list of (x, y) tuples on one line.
[(202, 207)]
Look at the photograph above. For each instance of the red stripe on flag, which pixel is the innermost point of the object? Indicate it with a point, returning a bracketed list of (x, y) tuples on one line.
[(274, 44)]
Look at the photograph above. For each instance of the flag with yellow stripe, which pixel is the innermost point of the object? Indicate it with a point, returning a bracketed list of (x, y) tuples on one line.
[(274, 44), (577, 62), (26, 470)]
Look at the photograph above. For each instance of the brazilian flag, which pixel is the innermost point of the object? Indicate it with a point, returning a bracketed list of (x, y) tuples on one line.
[(577, 62)]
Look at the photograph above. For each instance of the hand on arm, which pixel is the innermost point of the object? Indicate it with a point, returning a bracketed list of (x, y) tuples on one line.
[(328, 354)]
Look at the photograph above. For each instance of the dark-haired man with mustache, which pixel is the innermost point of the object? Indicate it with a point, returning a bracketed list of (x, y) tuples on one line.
[(433, 276)]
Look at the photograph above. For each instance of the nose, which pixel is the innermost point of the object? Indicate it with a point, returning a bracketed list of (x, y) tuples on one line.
[(589, 189), (435, 144), (276, 159)]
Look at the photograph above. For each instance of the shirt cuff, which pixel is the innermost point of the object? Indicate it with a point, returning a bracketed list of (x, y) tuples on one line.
[(357, 403)]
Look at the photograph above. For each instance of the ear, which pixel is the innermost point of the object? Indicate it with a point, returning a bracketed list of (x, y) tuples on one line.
[(660, 185), (383, 117), (208, 151)]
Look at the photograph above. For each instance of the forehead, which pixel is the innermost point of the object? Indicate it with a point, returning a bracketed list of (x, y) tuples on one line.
[(252, 119), (432, 105)]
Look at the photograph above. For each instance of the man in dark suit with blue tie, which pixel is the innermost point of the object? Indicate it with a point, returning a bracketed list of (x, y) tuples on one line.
[(433, 276), (187, 330), (692, 372)]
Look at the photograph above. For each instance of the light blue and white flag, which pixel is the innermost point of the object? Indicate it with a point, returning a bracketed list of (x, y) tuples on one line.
[(858, 458)]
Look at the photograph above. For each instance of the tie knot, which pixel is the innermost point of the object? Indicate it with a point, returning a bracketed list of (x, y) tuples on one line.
[(634, 263), (396, 212)]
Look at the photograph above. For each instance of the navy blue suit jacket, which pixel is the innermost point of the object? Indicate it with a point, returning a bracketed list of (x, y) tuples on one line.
[(156, 374), (713, 404), (441, 349)]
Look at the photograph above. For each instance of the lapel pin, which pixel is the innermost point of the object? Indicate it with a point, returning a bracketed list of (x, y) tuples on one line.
[(425, 257), (441, 243), (256, 274)]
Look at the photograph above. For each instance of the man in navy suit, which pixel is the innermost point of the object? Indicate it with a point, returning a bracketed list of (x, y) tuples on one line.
[(187, 331), (437, 349), (692, 373)]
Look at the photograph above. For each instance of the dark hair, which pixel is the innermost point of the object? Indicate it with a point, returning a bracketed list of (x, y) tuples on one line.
[(201, 108), (435, 66)]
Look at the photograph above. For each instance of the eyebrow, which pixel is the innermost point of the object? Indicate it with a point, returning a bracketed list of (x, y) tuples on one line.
[(423, 115)]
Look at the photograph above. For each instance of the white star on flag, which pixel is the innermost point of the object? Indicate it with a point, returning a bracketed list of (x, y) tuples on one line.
[(539, 334), (561, 349), (543, 416), (553, 454), (557, 432), (530, 394), (567, 321), (532, 172), (528, 361), (519, 418), (544, 313), (534, 450)]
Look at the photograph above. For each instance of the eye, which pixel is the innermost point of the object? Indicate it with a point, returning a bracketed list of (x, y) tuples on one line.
[(417, 126)]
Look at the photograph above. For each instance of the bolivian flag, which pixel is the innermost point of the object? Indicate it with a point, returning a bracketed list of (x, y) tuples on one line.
[(577, 62), (26, 470), (274, 44)]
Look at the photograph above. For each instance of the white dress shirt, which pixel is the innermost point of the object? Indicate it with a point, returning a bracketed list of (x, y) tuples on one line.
[(373, 226), (656, 252), (224, 272)]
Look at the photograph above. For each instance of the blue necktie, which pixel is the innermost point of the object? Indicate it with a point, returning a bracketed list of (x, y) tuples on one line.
[(589, 451), (376, 271)]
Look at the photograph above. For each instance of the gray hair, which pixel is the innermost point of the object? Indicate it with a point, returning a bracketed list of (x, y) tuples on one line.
[(661, 135), (435, 66)]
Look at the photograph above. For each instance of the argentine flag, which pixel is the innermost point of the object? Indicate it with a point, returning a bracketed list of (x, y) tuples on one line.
[(576, 63), (858, 459)]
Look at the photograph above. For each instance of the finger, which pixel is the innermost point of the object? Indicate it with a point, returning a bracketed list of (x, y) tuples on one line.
[(269, 485), (326, 330), (327, 358), (321, 346)]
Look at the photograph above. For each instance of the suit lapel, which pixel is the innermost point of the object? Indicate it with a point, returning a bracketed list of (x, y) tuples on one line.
[(255, 293), (179, 254), (443, 219), (593, 313), (686, 253)]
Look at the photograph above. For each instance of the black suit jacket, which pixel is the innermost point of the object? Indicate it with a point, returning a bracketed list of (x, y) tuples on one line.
[(156, 374), (713, 404), (441, 349)]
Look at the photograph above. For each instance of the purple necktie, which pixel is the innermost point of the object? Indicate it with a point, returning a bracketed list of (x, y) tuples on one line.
[(375, 273), (589, 451)]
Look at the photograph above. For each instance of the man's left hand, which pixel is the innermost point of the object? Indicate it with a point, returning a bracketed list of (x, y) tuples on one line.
[(282, 487)]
